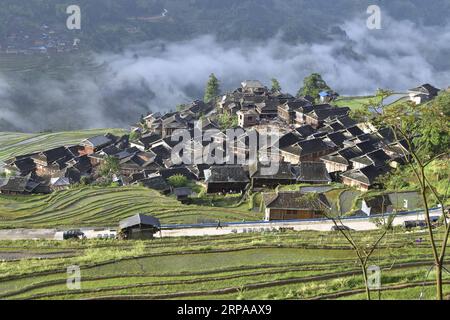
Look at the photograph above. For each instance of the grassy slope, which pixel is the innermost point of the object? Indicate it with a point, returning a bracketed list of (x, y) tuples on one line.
[(283, 262), (354, 103), (14, 144), (100, 206)]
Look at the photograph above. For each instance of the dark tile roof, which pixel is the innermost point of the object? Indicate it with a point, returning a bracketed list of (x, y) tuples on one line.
[(182, 192), (148, 139), (25, 165), (167, 173), (139, 219), (19, 184), (355, 131), (366, 175), (365, 147), (296, 200), (228, 173), (426, 88), (50, 156), (312, 172), (312, 145), (378, 203), (284, 172), (289, 139), (333, 112), (98, 141), (343, 156), (305, 130), (376, 158), (155, 182), (337, 138)]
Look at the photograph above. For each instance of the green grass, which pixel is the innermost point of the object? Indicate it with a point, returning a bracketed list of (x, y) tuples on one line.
[(354, 103), (105, 206), (290, 265), (14, 144)]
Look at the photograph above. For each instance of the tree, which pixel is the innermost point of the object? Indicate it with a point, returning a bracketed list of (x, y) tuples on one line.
[(110, 166), (276, 87), (364, 250), (212, 88), (178, 181), (134, 135), (423, 129), (227, 122), (312, 85)]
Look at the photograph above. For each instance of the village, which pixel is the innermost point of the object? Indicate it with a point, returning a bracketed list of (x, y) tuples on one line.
[(317, 144), (41, 40)]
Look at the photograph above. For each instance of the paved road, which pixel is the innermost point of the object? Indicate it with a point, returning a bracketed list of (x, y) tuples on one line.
[(359, 224)]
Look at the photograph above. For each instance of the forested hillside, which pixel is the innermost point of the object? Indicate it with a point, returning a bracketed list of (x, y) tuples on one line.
[(113, 24)]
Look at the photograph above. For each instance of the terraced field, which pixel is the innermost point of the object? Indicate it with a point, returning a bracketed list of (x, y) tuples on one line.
[(100, 206), (289, 265), (14, 144)]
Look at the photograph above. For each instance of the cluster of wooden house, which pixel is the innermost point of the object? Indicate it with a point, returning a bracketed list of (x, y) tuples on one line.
[(318, 144)]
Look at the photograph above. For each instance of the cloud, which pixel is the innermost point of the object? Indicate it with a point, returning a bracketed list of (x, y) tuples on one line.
[(159, 75)]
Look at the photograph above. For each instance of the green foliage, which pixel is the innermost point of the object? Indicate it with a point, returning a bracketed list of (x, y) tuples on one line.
[(84, 181), (180, 107), (434, 126), (276, 87), (110, 166), (312, 85), (178, 181), (227, 122), (134, 136), (212, 88)]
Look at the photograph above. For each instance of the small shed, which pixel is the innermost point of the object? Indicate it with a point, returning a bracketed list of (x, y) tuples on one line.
[(139, 227), (183, 194)]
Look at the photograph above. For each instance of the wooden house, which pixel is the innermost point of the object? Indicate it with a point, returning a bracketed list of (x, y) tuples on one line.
[(139, 227), (293, 205), (226, 179)]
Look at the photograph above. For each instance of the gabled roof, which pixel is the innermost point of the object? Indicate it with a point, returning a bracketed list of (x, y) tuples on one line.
[(60, 181), (305, 130), (329, 113), (295, 104), (182, 192), (312, 172), (25, 165), (376, 158), (289, 139), (312, 145), (365, 146), (295, 200), (337, 138), (19, 184), (228, 173), (155, 182), (139, 219), (167, 173), (366, 175), (252, 84), (97, 141), (426, 89), (285, 171), (343, 156), (148, 139), (50, 156)]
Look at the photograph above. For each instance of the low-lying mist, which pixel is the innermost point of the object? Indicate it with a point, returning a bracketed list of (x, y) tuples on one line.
[(159, 75)]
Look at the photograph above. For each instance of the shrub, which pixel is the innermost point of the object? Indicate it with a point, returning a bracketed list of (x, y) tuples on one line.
[(178, 181)]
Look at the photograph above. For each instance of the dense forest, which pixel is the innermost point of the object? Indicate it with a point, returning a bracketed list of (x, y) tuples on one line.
[(114, 24)]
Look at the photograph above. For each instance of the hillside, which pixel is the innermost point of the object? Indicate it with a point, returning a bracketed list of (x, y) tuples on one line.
[(15, 143), (113, 24)]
